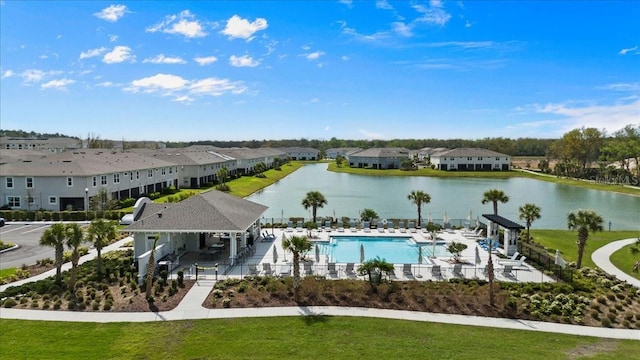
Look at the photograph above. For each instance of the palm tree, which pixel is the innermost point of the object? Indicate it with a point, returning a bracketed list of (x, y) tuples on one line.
[(374, 268), (314, 200), (297, 245), (75, 238), (494, 196), (151, 267), (419, 197), (584, 221), (529, 213), (101, 233), (368, 215), (55, 237)]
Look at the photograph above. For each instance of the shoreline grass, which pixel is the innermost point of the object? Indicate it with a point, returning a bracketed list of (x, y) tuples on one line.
[(292, 337), (623, 259)]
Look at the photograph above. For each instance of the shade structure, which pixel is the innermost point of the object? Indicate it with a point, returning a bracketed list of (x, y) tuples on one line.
[(419, 254), (275, 254), (317, 253), (361, 253), (559, 260)]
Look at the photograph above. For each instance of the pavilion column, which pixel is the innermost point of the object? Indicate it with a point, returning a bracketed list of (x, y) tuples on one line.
[(233, 251), (243, 238)]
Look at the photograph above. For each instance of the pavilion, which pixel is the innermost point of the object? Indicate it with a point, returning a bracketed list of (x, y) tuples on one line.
[(512, 230)]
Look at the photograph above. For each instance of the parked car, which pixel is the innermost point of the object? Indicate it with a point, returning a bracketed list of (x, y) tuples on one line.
[(1, 222)]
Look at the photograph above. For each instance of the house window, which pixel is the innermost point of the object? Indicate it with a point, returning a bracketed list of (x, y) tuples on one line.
[(137, 175), (9, 183), (69, 181), (116, 178), (497, 158), (479, 157), (164, 171), (103, 179), (95, 181), (29, 181), (150, 173), (171, 170), (13, 201), (469, 158), (53, 200), (30, 199)]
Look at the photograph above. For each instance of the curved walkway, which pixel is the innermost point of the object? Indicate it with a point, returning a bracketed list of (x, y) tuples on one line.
[(191, 308), (601, 258)]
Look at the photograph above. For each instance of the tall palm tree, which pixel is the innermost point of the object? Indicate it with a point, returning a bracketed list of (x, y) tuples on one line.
[(75, 238), (584, 221), (55, 237), (494, 196), (297, 245), (314, 200), (419, 197), (101, 233), (529, 213), (151, 266)]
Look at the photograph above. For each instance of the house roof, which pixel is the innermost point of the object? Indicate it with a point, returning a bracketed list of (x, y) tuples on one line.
[(462, 152), (504, 222), (211, 211), (382, 152)]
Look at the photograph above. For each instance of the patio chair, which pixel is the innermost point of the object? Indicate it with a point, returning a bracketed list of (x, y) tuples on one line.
[(289, 227), (436, 271), (349, 270), (253, 269), (457, 270), (391, 227), (308, 269), (406, 270), (299, 227), (327, 225), (366, 226), (319, 226), (266, 269), (512, 258), (380, 227), (352, 226), (412, 227), (331, 270), (401, 227), (507, 271)]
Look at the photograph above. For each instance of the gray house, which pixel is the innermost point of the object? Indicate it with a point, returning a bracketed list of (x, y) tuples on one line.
[(344, 152), (301, 153), (471, 159), (379, 158)]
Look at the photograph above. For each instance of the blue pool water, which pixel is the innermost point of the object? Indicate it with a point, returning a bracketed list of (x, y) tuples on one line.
[(395, 250)]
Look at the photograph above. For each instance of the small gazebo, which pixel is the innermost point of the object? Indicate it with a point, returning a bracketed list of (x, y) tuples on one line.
[(512, 230)]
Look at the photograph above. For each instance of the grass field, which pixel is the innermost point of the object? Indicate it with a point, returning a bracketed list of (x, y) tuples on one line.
[(294, 338), (565, 241), (624, 259), (247, 185)]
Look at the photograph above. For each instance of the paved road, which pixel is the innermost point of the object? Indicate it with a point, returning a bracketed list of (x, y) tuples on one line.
[(601, 257), (27, 236)]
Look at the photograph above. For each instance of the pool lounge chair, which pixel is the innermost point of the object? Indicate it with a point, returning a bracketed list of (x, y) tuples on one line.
[(507, 271), (289, 227), (308, 268), (327, 225), (513, 257), (366, 226), (457, 270), (436, 272), (352, 226), (514, 263), (319, 226), (349, 270), (412, 227), (406, 270), (253, 269), (299, 227), (401, 227), (266, 269), (391, 227), (380, 227), (331, 270)]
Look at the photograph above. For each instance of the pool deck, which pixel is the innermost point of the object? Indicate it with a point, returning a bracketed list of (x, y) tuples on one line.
[(421, 272)]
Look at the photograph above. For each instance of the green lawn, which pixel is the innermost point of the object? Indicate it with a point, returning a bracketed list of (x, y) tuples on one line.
[(623, 259), (7, 272), (293, 338), (247, 185), (565, 241)]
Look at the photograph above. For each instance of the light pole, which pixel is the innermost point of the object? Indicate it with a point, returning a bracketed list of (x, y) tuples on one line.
[(86, 203)]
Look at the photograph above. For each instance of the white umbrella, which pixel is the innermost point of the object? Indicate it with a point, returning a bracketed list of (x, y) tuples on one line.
[(478, 261), (433, 242), (275, 254), (317, 253), (419, 254), (446, 219), (361, 253), (429, 219), (559, 260)]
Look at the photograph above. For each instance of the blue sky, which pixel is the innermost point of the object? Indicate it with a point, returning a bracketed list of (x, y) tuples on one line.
[(243, 70)]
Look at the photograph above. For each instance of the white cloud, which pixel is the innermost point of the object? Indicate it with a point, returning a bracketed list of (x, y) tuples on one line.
[(327, 128), (112, 13), (401, 29), (241, 28), (345, 58), (383, 4), (183, 24), (609, 117), (184, 99), (205, 60), (216, 87), (623, 86), (32, 75), (113, 38), (106, 84), (7, 74), (371, 135), (380, 35), (347, 3), (57, 84), (433, 14), (92, 53), (314, 55), (161, 59), (467, 24), (632, 50), (158, 82), (118, 55), (243, 61)]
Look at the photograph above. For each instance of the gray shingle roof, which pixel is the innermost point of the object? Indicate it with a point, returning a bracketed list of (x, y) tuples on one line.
[(382, 152), (469, 152), (211, 211)]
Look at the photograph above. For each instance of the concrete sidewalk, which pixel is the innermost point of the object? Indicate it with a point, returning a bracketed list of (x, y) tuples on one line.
[(602, 255)]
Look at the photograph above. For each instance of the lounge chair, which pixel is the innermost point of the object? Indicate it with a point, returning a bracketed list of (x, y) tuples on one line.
[(513, 257), (299, 227), (412, 227), (514, 263), (331, 270), (401, 227), (366, 226), (380, 227), (308, 268), (327, 225), (406, 270), (319, 226), (253, 269), (457, 270), (507, 271), (289, 227), (266, 269), (349, 270), (352, 226), (436, 272), (391, 227)]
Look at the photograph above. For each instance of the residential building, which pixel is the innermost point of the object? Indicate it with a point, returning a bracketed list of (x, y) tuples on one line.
[(378, 158), (471, 159)]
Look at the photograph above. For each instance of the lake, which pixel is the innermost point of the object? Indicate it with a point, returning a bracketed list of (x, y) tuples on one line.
[(348, 194)]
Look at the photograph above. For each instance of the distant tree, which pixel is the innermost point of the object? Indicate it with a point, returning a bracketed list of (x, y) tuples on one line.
[(102, 201), (494, 196), (407, 164), (374, 269), (529, 213), (368, 215), (298, 245), (579, 146), (314, 200), (75, 238), (55, 236), (419, 197), (101, 233), (584, 221), (339, 160), (222, 175), (259, 168), (624, 148)]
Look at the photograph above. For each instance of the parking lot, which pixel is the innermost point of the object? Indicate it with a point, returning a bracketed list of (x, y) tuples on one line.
[(27, 236)]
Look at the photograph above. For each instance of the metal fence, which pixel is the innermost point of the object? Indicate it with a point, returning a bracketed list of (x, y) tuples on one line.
[(545, 261)]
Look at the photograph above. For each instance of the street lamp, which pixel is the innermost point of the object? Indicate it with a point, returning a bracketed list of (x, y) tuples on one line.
[(86, 203)]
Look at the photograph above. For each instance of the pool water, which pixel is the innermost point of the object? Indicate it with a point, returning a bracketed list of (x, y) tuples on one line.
[(395, 250)]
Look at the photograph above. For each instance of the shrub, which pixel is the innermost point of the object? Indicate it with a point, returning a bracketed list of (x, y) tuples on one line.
[(9, 303), (226, 303), (595, 315), (626, 324), (605, 322), (180, 278), (612, 317)]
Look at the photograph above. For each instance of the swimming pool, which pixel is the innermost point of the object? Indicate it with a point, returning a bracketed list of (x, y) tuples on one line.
[(395, 250)]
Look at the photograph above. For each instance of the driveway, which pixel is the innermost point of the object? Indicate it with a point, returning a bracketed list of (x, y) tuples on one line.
[(27, 236)]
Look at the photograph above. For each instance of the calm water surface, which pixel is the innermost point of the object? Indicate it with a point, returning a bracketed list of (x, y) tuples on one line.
[(348, 194)]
